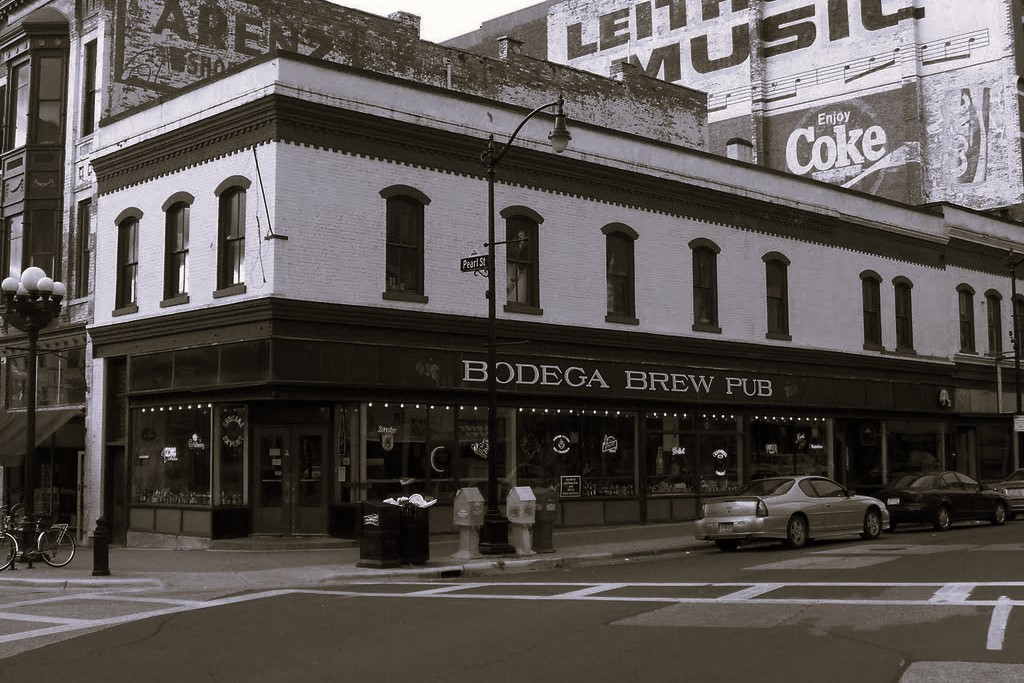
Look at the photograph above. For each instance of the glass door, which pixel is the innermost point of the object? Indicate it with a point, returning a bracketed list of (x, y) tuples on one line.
[(289, 496)]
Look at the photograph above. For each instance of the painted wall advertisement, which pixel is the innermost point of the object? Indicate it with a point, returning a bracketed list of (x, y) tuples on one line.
[(842, 88)]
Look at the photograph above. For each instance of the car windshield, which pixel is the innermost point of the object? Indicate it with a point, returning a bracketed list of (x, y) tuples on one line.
[(767, 487)]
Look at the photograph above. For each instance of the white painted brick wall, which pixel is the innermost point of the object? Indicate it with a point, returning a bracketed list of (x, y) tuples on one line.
[(328, 205)]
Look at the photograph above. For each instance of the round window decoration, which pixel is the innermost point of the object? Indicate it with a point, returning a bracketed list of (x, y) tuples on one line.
[(233, 430)]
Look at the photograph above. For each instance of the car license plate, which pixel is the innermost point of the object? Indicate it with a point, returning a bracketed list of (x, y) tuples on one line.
[(724, 527), (892, 501), (1014, 492)]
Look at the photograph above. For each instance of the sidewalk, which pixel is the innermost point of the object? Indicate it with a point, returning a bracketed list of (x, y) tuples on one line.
[(272, 564)]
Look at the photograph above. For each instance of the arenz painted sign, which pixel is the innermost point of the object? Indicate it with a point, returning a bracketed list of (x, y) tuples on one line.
[(700, 385)]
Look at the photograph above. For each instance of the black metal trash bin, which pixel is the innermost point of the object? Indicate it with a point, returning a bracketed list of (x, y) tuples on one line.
[(544, 519), (380, 536), (414, 546)]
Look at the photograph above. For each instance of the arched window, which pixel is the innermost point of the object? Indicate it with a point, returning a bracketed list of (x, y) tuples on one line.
[(705, 285), (231, 235), (965, 303), (904, 314), (620, 273), (126, 294), (176, 229), (994, 318), (776, 274), (404, 248), (522, 268), (871, 305)]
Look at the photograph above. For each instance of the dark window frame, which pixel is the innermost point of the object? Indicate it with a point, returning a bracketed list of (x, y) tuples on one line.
[(231, 226), (994, 322), (904, 314), (522, 260), (83, 250), (620, 277), (405, 218), (704, 258), (128, 225), (871, 309), (177, 211), (776, 276), (965, 309)]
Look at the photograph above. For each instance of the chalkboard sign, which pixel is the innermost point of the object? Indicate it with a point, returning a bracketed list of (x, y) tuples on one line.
[(570, 486)]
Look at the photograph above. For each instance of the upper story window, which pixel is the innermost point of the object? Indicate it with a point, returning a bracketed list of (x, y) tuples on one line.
[(776, 275), (126, 292), (522, 268), (871, 306), (1017, 321), (31, 239), (965, 302), (36, 79), (705, 285), (83, 254), (176, 229), (231, 235), (404, 248), (904, 314), (620, 272), (90, 91), (994, 312)]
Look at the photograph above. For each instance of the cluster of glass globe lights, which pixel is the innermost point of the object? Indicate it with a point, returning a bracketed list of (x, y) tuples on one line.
[(32, 299)]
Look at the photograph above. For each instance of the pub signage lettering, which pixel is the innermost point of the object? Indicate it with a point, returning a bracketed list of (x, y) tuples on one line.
[(580, 377)]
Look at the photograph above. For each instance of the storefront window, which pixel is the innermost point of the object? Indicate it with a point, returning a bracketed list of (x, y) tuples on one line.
[(230, 431), (995, 457), (788, 446), (912, 447), (598, 448), (171, 455), (692, 453)]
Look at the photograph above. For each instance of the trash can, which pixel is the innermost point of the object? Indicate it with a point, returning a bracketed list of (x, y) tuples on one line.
[(414, 546), (544, 519), (380, 534)]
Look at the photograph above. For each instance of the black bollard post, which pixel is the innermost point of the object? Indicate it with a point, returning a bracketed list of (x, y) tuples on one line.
[(101, 549)]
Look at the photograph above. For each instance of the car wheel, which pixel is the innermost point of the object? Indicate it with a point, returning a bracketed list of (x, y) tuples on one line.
[(727, 546), (796, 532), (999, 514), (872, 525), (943, 518)]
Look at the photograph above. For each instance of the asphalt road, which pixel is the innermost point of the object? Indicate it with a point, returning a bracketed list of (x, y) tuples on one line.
[(914, 606)]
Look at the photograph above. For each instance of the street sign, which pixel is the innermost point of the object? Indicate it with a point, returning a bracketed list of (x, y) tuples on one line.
[(473, 263), (1018, 423)]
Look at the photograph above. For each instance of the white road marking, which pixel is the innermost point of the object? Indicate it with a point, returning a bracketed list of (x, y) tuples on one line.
[(822, 562), (897, 549), (752, 592), (952, 593), (997, 627), (592, 590)]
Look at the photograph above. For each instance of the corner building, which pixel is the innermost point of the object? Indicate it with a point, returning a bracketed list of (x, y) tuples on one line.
[(285, 330)]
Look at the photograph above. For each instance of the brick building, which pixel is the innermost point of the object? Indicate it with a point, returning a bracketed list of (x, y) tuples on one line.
[(279, 200)]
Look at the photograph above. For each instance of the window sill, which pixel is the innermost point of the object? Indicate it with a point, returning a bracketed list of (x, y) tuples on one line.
[(621, 319), (404, 296), (515, 307), (174, 301), (704, 327), (780, 336), (905, 351), (871, 346), (125, 310), (230, 290)]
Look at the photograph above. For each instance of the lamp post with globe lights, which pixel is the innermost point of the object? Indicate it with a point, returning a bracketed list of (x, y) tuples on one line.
[(30, 303), (494, 530)]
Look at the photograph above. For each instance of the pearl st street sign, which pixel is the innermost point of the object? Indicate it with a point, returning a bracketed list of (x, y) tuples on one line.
[(473, 263)]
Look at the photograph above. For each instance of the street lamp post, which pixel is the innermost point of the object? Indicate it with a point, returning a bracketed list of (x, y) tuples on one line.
[(30, 303), (494, 530)]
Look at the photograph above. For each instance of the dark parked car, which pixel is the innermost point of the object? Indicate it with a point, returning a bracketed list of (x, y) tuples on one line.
[(940, 499)]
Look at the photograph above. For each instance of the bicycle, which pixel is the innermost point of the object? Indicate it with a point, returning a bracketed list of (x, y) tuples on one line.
[(8, 543), (54, 544)]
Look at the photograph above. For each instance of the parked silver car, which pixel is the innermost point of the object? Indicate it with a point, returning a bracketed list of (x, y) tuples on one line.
[(1013, 488), (793, 509)]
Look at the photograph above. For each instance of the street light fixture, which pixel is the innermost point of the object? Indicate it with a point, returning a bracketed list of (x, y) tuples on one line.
[(494, 530), (30, 303)]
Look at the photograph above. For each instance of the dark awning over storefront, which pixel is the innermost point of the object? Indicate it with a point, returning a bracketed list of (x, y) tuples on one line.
[(12, 431)]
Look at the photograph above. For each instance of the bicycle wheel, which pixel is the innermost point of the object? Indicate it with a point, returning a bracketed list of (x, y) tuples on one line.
[(8, 550), (56, 546)]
